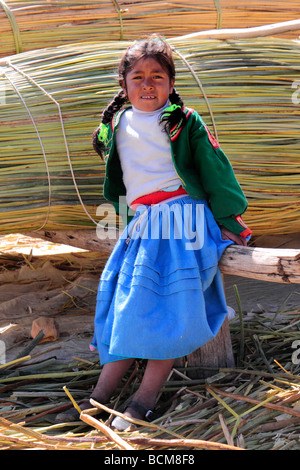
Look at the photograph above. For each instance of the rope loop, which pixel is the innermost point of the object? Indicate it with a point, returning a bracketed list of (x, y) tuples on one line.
[(25, 75), (201, 88)]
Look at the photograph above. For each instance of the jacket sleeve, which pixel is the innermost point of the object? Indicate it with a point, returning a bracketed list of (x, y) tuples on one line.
[(225, 196)]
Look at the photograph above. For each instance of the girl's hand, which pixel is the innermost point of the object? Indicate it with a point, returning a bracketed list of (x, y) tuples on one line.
[(228, 235)]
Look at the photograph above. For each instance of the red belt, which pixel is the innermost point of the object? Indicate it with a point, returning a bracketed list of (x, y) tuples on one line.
[(155, 198)]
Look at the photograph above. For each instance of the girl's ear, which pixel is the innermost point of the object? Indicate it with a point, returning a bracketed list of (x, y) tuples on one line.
[(123, 85), (172, 83)]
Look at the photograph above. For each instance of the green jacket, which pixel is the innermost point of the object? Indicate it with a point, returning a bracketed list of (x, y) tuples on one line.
[(201, 165)]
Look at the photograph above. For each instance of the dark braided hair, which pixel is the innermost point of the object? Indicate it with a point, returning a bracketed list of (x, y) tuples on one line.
[(152, 47), (170, 120), (118, 101)]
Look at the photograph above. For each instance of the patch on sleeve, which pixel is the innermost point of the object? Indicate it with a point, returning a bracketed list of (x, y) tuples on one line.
[(212, 139)]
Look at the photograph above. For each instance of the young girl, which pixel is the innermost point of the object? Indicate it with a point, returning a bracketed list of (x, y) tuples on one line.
[(160, 295)]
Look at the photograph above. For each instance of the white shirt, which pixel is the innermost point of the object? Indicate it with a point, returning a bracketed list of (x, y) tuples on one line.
[(145, 154)]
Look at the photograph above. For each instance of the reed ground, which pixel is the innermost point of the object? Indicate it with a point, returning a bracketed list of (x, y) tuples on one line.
[(253, 406)]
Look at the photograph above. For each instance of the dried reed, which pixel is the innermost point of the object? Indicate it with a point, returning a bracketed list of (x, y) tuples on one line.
[(50, 176), (249, 408), (27, 25)]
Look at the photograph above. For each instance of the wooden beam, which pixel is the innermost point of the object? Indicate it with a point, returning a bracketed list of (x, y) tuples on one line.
[(243, 33), (265, 264), (85, 239), (214, 354)]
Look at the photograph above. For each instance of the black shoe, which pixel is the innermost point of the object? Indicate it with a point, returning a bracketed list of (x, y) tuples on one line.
[(121, 424), (72, 414)]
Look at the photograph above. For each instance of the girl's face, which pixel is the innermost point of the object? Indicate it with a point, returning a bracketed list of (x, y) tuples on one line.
[(148, 85)]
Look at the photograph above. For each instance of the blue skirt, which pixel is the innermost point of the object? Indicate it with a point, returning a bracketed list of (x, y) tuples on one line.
[(161, 294)]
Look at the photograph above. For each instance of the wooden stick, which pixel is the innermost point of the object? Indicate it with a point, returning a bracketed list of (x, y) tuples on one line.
[(242, 33), (225, 429), (105, 430), (72, 399), (33, 343), (193, 443), (265, 264), (272, 406), (85, 239), (198, 443), (25, 443), (6, 424), (15, 361), (153, 442)]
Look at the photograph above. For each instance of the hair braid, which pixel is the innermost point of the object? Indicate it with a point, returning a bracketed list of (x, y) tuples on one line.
[(177, 115), (119, 99), (175, 98)]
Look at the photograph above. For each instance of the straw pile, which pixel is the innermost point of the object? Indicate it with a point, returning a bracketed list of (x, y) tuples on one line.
[(27, 25), (255, 407), (50, 176)]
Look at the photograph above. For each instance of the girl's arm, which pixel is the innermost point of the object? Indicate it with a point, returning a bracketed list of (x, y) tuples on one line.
[(218, 180)]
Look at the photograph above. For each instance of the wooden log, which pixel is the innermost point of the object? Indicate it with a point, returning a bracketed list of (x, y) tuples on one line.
[(214, 354), (85, 239), (264, 264)]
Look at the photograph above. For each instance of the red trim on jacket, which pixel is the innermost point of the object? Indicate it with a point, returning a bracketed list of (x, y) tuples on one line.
[(245, 233)]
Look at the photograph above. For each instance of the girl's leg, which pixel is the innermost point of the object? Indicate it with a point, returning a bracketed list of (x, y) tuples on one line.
[(110, 377), (155, 375)]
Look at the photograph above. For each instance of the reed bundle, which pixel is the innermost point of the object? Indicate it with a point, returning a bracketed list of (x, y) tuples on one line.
[(255, 407), (27, 25), (50, 176)]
